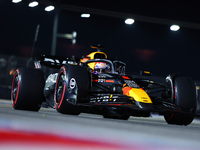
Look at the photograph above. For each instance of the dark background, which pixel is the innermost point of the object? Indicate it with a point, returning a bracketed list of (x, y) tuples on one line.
[(142, 45)]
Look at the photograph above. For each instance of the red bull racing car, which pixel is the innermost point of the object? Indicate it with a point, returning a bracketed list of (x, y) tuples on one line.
[(96, 84)]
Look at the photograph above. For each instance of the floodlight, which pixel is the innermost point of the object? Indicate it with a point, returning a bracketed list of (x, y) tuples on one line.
[(129, 21), (85, 15), (175, 27), (33, 4), (49, 8), (16, 1)]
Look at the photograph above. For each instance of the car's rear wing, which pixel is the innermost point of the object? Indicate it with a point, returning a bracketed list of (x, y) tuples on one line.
[(53, 61)]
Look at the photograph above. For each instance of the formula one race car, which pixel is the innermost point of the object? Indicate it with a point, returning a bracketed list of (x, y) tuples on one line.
[(95, 84)]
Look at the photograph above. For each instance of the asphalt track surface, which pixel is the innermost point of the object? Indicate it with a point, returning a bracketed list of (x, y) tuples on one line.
[(48, 129)]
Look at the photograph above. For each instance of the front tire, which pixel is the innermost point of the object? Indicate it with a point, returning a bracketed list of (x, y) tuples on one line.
[(72, 85), (183, 93), (178, 119)]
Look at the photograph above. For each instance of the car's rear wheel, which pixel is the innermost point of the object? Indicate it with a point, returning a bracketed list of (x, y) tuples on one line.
[(183, 95), (27, 89), (72, 87)]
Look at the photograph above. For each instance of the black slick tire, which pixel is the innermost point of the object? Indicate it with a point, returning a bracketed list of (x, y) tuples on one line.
[(27, 89), (184, 96), (72, 87)]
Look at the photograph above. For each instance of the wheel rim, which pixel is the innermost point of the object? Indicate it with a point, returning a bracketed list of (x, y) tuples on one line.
[(60, 88), (15, 89), (171, 89)]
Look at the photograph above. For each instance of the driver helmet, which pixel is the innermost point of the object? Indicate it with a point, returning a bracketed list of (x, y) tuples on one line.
[(101, 67)]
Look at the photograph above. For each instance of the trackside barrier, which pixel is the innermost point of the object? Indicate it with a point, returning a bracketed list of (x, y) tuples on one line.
[(8, 65)]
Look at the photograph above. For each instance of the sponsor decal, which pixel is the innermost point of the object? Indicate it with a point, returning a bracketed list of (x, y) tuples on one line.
[(101, 80), (72, 83), (57, 61), (131, 83), (107, 98), (52, 78), (101, 76)]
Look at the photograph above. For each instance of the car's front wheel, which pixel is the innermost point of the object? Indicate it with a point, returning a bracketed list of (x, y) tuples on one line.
[(72, 87), (183, 95)]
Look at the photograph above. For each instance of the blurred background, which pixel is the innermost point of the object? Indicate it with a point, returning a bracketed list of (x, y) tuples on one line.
[(146, 44)]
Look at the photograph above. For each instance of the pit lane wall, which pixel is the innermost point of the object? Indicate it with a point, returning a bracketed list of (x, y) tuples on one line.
[(8, 65)]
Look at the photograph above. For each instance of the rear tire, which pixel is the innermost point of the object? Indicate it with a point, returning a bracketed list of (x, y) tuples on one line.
[(72, 86), (27, 89), (184, 96)]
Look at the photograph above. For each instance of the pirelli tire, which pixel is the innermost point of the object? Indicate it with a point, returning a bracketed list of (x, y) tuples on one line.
[(72, 87), (183, 95), (27, 89)]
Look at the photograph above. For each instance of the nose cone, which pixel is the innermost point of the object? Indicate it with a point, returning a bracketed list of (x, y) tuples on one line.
[(138, 94)]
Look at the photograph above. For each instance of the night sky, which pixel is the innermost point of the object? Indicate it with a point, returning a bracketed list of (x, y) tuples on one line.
[(142, 46)]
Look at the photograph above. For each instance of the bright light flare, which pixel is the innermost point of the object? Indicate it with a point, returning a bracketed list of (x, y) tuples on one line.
[(174, 27), (74, 34), (49, 8), (73, 41), (33, 4), (85, 15), (16, 1), (129, 21)]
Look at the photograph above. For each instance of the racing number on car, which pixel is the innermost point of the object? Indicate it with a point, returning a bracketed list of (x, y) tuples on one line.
[(101, 80)]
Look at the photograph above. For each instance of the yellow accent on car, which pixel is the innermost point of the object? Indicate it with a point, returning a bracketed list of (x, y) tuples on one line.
[(111, 97), (85, 59), (91, 55), (139, 95), (147, 72)]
